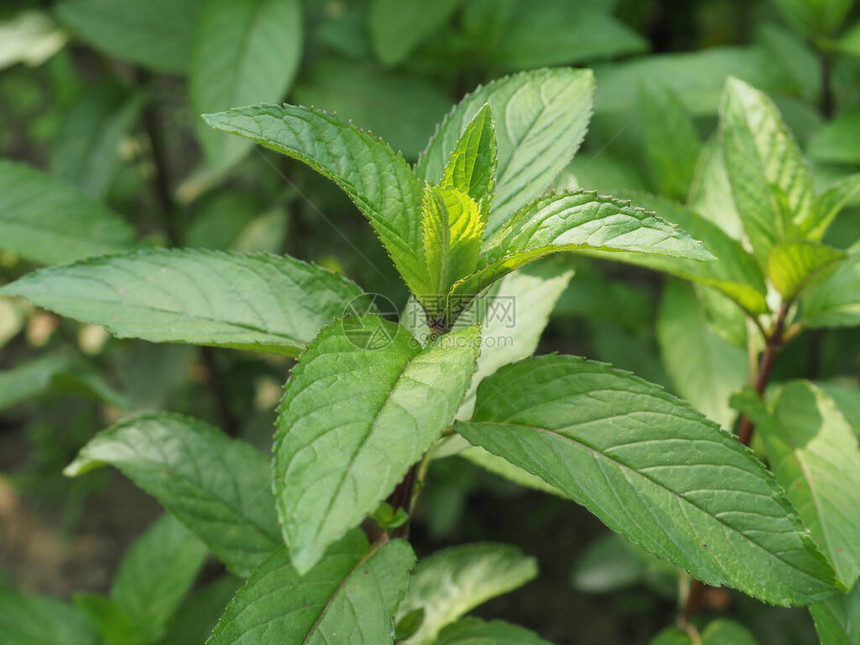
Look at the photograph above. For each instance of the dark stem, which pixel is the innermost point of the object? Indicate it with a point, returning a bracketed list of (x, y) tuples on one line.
[(695, 593), (215, 379), (439, 324), (828, 103), (161, 178), (765, 369), (167, 206), (402, 498), (774, 343)]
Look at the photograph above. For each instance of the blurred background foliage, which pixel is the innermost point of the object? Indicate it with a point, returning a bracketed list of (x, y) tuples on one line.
[(106, 96)]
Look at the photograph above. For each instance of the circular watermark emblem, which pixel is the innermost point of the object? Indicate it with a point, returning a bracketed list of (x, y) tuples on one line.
[(366, 321)]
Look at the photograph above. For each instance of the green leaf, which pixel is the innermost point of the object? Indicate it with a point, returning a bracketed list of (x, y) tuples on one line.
[(835, 142), (711, 192), (220, 488), (396, 27), (254, 302), (450, 583), (672, 636), (653, 470), (792, 266), (796, 57), (28, 379), (814, 17), (473, 631), (39, 620), (453, 231), (350, 596), (48, 221), (513, 314), (245, 51), (847, 399), (472, 166), (31, 378), (697, 78), (379, 181), (719, 368), (156, 34), (557, 32), (403, 109), (196, 618), (827, 207), (815, 456), (220, 220), (719, 632), (352, 422), (607, 565), (848, 43), (114, 624), (86, 150), (771, 183), (835, 300), (540, 120), (578, 221), (735, 274), (409, 624), (156, 573), (670, 139), (727, 632), (387, 518), (837, 619)]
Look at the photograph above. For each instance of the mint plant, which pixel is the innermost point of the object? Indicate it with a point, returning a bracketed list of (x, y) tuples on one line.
[(320, 534)]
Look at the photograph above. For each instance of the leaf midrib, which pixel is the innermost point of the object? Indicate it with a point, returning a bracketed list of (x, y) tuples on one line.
[(363, 443), (194, 484), (374, 549), (625, 467), (240, 325)]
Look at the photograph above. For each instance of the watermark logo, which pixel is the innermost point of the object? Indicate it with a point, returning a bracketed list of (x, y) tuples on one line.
[(365, 321), (365, 327)]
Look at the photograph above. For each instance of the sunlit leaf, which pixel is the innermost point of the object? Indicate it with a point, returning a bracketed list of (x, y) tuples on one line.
[(357, 412), (255, 302), (653, 470), (449, 583)]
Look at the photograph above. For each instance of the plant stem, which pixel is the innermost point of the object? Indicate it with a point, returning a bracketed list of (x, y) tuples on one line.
[(402, 498), (161, 178), (405, 494), (219, 392), (773, 344), (694, 599)]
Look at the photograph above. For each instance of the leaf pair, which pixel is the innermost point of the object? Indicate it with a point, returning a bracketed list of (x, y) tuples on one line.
[(783, 218), (815, 456), (465, 228)]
